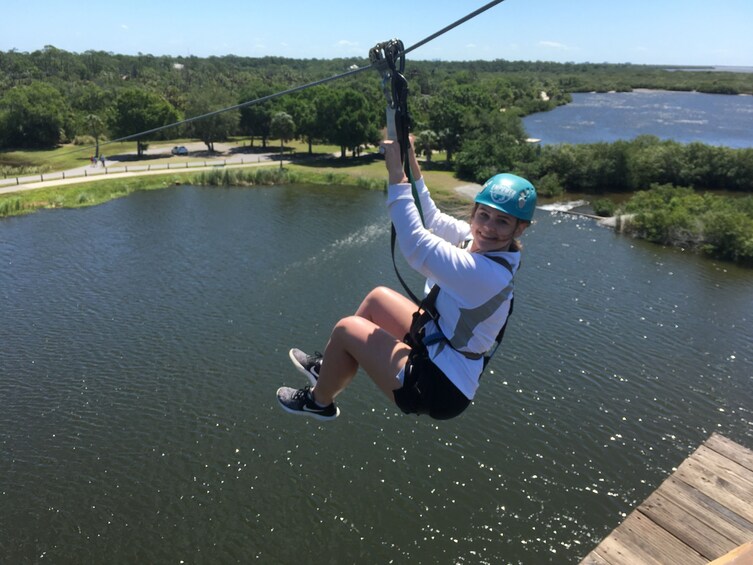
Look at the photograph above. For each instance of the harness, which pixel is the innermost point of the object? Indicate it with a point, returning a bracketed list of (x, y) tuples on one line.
[(427, 311)]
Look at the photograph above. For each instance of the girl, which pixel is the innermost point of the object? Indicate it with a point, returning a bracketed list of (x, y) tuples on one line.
[(434, 367)]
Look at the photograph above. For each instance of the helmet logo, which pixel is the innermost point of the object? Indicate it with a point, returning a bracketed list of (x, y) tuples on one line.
[(501, 193), (522, 199)]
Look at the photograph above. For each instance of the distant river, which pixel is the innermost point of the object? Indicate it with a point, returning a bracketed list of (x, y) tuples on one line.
[(713, 119), (143, 341)]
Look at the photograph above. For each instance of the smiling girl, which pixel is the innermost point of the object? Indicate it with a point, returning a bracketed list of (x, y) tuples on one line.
[(429, 363)]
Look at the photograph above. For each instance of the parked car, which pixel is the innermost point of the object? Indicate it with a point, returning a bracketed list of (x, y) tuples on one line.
[(179, 150)]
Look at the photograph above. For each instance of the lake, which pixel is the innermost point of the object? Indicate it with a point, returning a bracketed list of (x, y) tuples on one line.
[(144, 339), (712, 119)]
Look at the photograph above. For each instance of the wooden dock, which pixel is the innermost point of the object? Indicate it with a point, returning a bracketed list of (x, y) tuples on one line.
[(703, 511)]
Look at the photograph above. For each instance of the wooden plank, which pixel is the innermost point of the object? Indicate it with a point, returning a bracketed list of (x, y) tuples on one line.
[(594, 558), (639, 540), (723, 481), (725, 467), (731, 450), (722, 519), (702, 511), (614, 551), (686, 526)]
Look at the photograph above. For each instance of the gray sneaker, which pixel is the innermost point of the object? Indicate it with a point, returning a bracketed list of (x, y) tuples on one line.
[(309, 365), (300, 402)]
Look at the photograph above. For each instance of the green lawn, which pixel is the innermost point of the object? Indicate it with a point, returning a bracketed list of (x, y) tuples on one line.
[(324, 169)]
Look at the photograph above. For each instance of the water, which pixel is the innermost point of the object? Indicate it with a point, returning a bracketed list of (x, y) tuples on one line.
[(143, 340), (683, 116)]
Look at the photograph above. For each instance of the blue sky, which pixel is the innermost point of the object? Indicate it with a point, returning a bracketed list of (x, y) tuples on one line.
[(674, 32)]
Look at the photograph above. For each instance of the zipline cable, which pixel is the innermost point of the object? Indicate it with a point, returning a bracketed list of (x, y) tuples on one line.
[(297, 88), (453, 25)]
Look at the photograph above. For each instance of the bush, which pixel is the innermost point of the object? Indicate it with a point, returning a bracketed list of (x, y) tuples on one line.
[(728, 233), (84, 140), (719, 227), (549, 186), (604, 207), (244, 177), (10, 206)]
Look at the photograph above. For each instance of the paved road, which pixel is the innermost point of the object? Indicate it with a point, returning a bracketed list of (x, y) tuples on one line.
[(198, 159), (127, 165)]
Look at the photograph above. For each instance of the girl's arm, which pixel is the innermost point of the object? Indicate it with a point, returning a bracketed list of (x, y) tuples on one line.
[(443, 225)]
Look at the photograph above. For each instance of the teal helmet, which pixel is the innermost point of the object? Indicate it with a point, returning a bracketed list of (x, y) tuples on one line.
[(510, 194)]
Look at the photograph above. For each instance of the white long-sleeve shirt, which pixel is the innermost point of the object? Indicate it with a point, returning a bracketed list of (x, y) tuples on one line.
[(476, 291)]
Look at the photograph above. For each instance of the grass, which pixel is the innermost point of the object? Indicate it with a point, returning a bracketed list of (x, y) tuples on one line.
[(367, 171), (69, 156), (81, 194)]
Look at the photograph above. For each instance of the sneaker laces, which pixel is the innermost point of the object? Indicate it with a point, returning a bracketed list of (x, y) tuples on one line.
[(308, 398), (304, 392)]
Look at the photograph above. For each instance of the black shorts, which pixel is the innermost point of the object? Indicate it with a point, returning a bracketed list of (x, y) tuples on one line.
[(427, 390)]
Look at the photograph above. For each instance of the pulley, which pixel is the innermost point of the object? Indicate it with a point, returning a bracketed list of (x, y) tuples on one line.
[(388, 58)]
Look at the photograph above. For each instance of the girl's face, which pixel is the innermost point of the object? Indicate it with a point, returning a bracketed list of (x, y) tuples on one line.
[(493, 230)]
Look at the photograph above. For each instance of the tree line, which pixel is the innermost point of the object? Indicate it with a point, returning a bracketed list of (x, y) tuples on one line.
[(52, 96), (629, 166)]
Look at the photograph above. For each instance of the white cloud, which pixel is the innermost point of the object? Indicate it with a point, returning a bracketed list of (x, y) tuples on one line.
[(345, 47), (123, 26), (554, 45)]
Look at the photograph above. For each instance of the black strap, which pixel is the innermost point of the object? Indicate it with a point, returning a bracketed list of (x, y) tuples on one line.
[(393, 238), (428, 311)]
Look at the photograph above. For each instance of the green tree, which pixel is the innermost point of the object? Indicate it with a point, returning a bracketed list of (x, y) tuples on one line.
[(344, 117), (282, 126), (32, 116), (654, 161), (256, 119), (446, 119), (455, 110), (95, 125), (425, 142), (494, 143), (217, 127), (139, 111), (302, 108)]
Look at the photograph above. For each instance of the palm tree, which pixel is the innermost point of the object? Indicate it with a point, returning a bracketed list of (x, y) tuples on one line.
[(95, 125), (283, 127)]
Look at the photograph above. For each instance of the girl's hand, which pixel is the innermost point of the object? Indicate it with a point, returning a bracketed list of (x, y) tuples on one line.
[(391, 150)]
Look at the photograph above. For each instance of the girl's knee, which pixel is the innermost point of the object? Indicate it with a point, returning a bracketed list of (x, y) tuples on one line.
[(382, 292), (376, 298), (346, 327)]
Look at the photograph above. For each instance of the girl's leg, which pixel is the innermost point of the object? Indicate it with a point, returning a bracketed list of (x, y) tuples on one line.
[(389, 310), (371, 339)]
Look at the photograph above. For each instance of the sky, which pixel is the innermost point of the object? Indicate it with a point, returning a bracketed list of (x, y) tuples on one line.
[(660, 32)]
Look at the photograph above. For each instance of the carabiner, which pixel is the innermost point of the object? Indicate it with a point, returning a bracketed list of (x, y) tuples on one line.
[(389, 60)]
